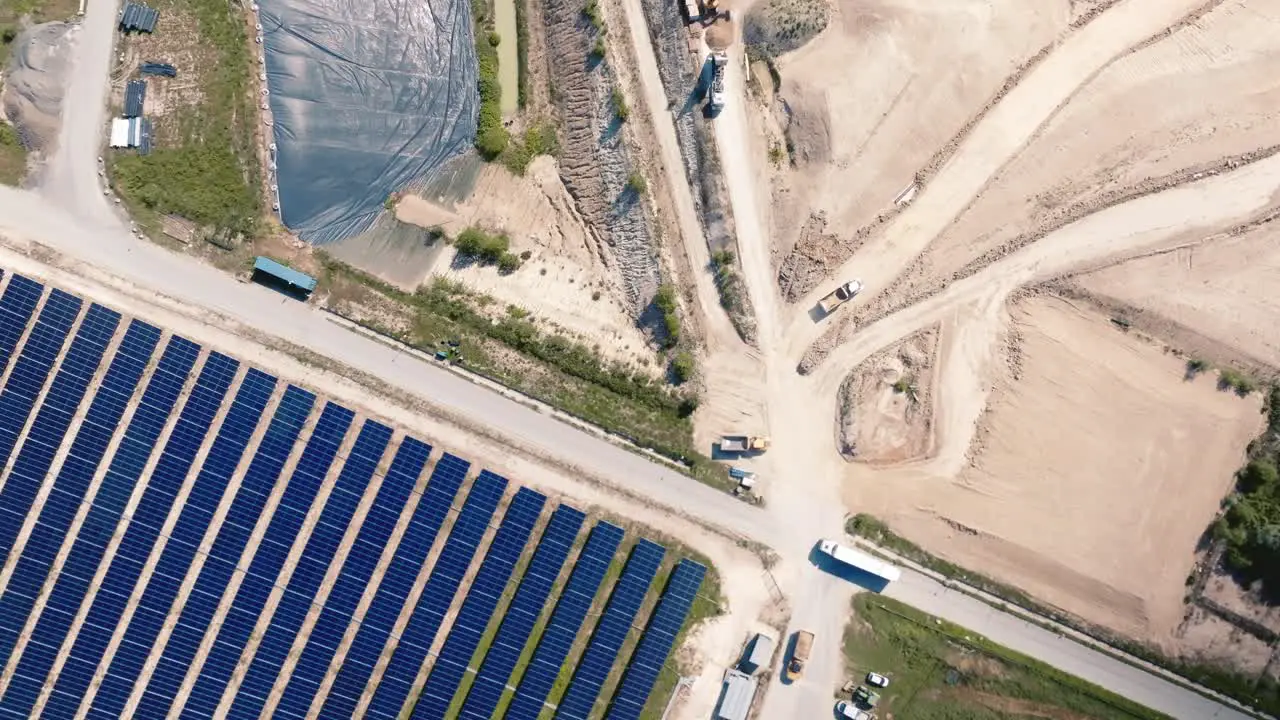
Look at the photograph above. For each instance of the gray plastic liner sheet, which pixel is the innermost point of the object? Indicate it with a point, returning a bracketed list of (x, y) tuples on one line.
[(367, 98)]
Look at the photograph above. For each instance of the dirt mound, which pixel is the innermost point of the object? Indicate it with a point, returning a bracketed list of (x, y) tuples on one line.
[(33, 83), (808, 126), (780, 26), (815, 255), (886, 404)]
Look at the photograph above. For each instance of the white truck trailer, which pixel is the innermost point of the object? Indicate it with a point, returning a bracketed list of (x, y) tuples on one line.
[(860, 560)]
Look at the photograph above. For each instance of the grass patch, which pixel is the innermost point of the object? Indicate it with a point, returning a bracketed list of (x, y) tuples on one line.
[(207, 171), (13, 157), (1262, 693), (539, 139), (478, 245), (941, 671), (665, 299), (1235, 380)]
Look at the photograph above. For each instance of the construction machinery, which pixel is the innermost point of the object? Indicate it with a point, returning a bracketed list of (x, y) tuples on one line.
[(840, 296), (719, 60)]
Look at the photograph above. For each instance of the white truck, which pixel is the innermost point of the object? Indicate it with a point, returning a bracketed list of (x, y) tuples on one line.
[(840, 296), (859, 560), (743, 444), (719, 60)]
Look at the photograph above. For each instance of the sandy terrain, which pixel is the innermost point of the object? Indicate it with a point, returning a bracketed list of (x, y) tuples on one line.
[(1222, 291), (1190, 104), (918, 72), (1102, 440)]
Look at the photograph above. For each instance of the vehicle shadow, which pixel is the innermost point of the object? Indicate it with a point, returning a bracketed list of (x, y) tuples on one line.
[(817, 314), (831, 566), (786, 660)]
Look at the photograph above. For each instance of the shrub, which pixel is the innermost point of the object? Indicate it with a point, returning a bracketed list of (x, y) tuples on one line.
[(636, 183), (597, 50), (540, 139), (682, 366), (494, 38), (9, 34), (620, 107), (508, 263), (666, 302), (1236, 380), (483, 247), (592, 11), (491, 136)]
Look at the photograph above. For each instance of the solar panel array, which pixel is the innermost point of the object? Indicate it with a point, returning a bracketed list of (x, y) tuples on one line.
[(181, 536)]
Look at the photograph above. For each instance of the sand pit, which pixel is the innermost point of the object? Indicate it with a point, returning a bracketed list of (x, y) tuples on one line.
[(1093, 477), (887, 403), (1222, 291)]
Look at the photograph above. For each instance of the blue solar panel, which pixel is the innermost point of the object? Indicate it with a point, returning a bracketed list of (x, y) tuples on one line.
[(255, 487), (481, 601), (658, 639), (108, 503), (353, 578), (291, 611), (571, 609), (51, 423), (522, 614), (468, 530), (16, 307), (611, 631), (179, 551), (393, 592)]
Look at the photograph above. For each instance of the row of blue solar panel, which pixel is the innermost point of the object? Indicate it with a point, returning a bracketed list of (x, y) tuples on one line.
[(242, 611)]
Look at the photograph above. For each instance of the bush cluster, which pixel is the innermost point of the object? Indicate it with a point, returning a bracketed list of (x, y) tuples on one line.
[(1235, 380), (522, 54), (682, 366), (666, 302), (727, 280), (592, 11), (487, 249), (636, 183), (1251, 525)]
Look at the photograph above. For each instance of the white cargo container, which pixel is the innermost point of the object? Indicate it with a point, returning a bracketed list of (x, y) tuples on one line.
[(860, 560)]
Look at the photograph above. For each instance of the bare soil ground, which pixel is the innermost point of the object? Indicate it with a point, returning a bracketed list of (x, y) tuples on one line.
[(1194, 102), (1222, 292), (887, 403), (918, 72), (1100, 438)]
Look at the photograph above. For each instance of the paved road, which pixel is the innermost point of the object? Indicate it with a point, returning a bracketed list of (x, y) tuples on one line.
[(73, 217)]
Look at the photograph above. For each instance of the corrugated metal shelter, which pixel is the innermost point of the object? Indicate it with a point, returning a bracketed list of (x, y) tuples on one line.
[(144, 136), (735, 701), (759, 652), (285, 274), (135, 94), (157, 68), (137, 17), (119, 133)]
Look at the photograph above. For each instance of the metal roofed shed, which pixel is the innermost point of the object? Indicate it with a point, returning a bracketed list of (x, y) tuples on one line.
[(137, 17), (759, 653), (735, 700), (285, 278), (135, 93)]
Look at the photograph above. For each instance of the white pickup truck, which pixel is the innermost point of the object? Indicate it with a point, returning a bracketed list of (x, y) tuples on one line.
[(840, 296)]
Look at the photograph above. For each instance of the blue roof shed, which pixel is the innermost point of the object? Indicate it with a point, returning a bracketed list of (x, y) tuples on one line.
[(299, 280)]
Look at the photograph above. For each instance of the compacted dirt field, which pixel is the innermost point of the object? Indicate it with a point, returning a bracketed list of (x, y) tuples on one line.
[(1093, 474)]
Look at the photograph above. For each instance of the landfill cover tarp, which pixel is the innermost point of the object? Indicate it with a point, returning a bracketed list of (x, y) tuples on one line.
[(366, 98)]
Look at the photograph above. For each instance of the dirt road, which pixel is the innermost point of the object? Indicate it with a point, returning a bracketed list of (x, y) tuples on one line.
[(1001, 134)]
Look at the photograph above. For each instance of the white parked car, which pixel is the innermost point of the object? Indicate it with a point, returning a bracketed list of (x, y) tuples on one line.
[(877, 680), (846, 710)]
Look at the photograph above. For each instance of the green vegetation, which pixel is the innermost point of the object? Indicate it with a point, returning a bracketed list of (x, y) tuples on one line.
[(776, 154), (491, 136), (1263, 694), (487, 249), (539, 139), (13, 157), (598, 50), (776, 27), (1195, 366), (683, 366), (542, 364), (592, 11), (204, 166), (728, 281), (941, 671), (494, 38), (636, 183), (522, 53), (666, 302), (1235, 380), (620, 107), (1251, 525)]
